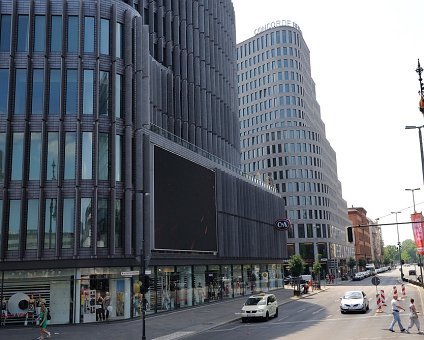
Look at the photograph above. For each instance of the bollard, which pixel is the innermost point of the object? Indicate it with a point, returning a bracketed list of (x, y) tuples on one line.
[(378, 300), (403, 290), (395, 291), (383, 297)]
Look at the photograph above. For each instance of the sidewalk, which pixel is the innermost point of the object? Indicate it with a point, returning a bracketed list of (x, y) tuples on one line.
[(163, 326)]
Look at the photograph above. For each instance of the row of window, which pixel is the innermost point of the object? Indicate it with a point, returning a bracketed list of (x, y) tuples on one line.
[(270, 65), (306, 200), (43, 42), (269, 104), (283, 124), (268, 39), (256, 165), (270, 91), (47, 89), (280, 148), (29, 221), (311, 214), (306, 250), (279, 135), (270, 78), (53, 148)]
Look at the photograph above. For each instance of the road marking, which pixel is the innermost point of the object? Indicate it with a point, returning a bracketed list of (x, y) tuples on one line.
[(175, 335), (317, 311), (301, 310)]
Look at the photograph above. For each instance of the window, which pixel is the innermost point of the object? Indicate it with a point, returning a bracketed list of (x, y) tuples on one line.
[(52, 155), (310, 230), (22, 45), (17, 156), (73, 31), (32, 224), (56, 39), (39, 33), (118, 158), (118, 223), (85, 228), (102, 223), (50, 223), (88, 95), (119, 40), (103, 166), (68, 231), (71, 92), (89, 34), (104, 36), (104, 93), (37, 91), (54, 93), (70, 147), (20, 91), (118, 96), (35, 156), (87, 147), (4, 90), (5, 21), (2, 155), (301, 231), (14, 224)]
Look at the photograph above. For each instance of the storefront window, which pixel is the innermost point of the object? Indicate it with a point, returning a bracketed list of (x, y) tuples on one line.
[(213, 282), (166, 288), (184, 286), (226, 288), (199, 284), (237, 280)]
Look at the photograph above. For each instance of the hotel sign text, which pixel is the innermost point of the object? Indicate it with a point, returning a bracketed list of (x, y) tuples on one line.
[(276, 23)]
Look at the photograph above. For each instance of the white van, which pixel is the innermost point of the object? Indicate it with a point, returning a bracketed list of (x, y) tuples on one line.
[(305, 278)]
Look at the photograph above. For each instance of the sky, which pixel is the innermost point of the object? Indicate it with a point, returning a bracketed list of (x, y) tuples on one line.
[(364, 54)]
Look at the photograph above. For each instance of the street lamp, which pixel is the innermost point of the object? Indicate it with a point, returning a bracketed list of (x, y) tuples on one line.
[(409, 127), (419, 255), (397, 229)]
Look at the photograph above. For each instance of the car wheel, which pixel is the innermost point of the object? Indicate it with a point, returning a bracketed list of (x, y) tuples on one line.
[(267, 316), (243, 320), (368, 307), (276, 313), (342, 312)]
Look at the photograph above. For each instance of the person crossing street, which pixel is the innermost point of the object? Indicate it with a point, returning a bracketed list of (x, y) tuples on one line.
[(395, 311)]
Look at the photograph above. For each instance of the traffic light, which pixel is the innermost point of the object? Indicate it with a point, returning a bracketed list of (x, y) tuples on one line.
[(145, 283)]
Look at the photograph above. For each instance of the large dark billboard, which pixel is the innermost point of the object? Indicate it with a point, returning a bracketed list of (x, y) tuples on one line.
[(185, 212)]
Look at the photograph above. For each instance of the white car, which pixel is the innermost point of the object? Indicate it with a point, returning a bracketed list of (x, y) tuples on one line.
[(261, 306), (354, 301)]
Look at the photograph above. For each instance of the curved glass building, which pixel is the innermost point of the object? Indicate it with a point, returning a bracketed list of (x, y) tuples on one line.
[(120, 154), (283, 142)]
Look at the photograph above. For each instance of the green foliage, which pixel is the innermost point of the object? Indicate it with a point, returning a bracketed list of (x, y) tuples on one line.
[(409, 251), (316, 268), (296, 265), (351, 263), (362, 263), (391, 254)]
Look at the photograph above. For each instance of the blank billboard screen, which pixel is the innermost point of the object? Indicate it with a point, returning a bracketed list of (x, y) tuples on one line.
[(184, 201)]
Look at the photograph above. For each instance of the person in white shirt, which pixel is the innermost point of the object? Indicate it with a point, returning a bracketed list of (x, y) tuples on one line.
[(395, 311), (413, 317)]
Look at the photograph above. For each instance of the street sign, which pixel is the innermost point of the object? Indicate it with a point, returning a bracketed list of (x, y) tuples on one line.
[(130, 273), (282, 224), (375, 280)]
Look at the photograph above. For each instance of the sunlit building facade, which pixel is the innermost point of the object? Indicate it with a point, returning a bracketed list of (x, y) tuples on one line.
[(283, 142), (119, 148)]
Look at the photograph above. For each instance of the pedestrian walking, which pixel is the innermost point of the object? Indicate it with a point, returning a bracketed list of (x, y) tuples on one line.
[(43, 319), (413, 317), (395, 311)]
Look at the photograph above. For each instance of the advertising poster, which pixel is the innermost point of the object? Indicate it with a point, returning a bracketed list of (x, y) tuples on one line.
[(417, 229)]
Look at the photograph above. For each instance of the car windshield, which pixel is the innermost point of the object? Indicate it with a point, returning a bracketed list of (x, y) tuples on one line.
[(253, 301), (353, 295)]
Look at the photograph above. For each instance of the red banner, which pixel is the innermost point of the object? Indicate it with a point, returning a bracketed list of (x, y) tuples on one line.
[(417, 229)]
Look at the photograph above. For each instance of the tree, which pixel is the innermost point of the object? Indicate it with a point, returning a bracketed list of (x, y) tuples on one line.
[(362, 263), (351, 264), (296, 265), (317, 269), (391, 254), (409, 251)]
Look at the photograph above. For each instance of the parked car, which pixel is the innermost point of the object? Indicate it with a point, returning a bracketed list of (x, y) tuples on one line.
[(354, 301), (412, 272), (261, 306), (358, 276)]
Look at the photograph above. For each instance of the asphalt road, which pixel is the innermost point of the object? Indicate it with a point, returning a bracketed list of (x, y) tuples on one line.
[(319, 317)]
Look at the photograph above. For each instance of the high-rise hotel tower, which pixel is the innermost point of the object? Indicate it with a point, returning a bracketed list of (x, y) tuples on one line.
[(283, 141)]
